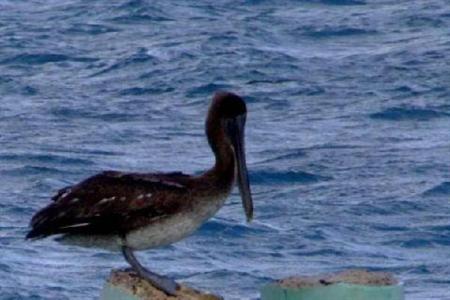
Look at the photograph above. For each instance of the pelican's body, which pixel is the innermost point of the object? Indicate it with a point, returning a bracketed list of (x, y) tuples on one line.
[(134, 211), (195, 202)]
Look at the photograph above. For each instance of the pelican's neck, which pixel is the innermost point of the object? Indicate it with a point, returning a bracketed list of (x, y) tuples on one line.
[(224, 167), (224, 155)]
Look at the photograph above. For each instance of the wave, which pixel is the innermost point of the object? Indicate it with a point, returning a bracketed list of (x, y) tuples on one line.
[(139, 18), (137, 91), (336, 32), (206, 89), (139, 57), (214, 227), (290, 154), (268, 177), (91, 29), (442, 189), (343, 2), (44, 158), (43, 58), (410, 113), (33, 170)]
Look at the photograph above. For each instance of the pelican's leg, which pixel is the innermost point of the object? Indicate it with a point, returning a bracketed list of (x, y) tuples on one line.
[(165, 284)]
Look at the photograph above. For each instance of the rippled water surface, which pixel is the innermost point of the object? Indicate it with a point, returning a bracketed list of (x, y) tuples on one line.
[(348, 135)]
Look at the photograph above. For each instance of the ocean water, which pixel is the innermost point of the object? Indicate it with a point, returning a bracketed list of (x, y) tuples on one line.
[(348, 134)]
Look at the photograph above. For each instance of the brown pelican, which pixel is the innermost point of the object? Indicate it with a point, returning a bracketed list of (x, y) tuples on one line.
[(137, 211)]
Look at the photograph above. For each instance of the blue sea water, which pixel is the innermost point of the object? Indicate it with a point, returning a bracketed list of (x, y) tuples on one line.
[(348, 135)]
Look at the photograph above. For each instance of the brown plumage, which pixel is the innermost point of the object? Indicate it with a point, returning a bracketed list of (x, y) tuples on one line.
[(111, 202)]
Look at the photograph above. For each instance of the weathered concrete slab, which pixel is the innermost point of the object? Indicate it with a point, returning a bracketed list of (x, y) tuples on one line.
[(346, 285), (127, 285)]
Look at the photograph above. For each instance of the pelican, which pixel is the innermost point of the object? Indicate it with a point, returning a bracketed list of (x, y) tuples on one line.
[(137, 211)]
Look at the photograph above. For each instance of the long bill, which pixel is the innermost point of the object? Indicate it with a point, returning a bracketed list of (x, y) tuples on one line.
[(236, 132)]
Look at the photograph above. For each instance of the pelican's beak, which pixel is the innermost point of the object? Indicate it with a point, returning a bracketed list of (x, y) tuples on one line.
[(235, 130)]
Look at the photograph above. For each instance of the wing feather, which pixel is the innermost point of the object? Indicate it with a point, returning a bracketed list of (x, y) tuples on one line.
[(110, 202)]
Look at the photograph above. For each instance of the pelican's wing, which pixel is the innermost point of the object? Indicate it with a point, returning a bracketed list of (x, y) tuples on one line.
[(110, 202)]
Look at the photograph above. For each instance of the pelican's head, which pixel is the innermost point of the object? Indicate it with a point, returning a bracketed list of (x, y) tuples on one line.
[(230, 110)]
